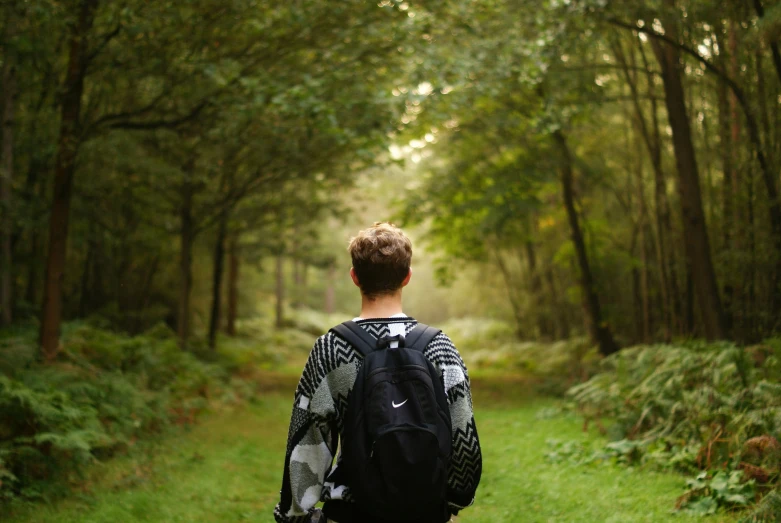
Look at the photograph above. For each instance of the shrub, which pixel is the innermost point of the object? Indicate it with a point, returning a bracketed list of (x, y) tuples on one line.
[(104, 391), (493, 346), (695, 406)]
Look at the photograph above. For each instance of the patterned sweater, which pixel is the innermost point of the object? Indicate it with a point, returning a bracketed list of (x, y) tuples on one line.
[(320, 406)]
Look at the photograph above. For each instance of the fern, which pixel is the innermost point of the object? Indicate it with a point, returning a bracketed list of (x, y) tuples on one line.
[(767, 511), (107, 390), (689, 406)]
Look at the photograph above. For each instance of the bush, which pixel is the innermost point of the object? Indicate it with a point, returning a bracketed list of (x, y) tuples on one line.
[(695, 407), (105, 391), (492, 346)]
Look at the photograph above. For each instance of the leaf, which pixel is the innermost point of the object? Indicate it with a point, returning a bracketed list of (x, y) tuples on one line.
[(703, 506), (736, 499)]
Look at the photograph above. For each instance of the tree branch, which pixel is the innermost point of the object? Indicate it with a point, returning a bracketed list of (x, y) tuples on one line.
[(686, 49), (160, 124), (106, 39)]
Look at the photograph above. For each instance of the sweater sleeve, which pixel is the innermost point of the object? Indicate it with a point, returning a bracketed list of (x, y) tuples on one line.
[(311, 443), (466, 463)]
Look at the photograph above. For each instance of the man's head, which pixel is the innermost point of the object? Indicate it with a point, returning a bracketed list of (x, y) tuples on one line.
[(381, 258)]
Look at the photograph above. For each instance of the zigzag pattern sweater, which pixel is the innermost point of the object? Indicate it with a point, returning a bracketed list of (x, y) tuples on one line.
[(320, 406)]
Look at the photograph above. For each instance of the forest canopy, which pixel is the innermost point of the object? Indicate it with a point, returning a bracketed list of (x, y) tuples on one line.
[(614, 164)]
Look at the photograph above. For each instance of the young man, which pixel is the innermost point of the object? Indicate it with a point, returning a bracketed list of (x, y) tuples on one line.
[(381, 258)]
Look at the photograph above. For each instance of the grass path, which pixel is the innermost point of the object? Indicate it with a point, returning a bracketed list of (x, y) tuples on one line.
[(228, 468)]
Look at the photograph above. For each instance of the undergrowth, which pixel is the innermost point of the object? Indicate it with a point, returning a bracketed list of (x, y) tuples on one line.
[(104, 392), (710, 410), (491, 346)]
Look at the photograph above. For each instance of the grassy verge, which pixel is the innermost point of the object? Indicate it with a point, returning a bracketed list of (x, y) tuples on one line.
[(228, 469)]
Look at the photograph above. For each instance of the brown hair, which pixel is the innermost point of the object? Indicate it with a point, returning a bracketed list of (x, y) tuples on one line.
[(381, 258)]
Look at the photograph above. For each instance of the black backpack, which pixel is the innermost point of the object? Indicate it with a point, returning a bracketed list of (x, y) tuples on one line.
[(397, 433)]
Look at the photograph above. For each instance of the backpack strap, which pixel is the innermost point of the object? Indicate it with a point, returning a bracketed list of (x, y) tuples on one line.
[(353, 334), (420, 336)]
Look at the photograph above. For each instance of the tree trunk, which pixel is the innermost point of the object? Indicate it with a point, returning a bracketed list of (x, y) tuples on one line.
[(304, 281), (144, 297), (219, 257), (330, 291), (695, 231), (233, 286), (652, 138), (560, 314), (544, 324), (6, 178), (511, 294), (598, 328), (187, 236), (33, 190), (727, 195), (765, 113), (33, 274), (688, 316), (644, 256), (296, 298), (65, 166), (280, 291), (84, 297)]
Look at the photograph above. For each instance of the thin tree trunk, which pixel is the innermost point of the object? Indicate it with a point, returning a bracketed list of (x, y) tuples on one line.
[(65, 166), (6, 178), (773, 155), (652, 139), (598, 328), (144, 297), (330, 291), (511, 294), (689, 324), (296, 298), (304, 282), (85, 295), (750, 281), (233, 286), (33, 190), (33, 272), (187, 236), (764, 111), (280, 291), (728, 224), (644, 256), (219, 257), (544, 325), (560, 313), (637, 299), (695, 231)]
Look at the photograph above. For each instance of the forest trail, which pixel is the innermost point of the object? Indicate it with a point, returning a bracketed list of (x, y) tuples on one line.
[(227, 468)]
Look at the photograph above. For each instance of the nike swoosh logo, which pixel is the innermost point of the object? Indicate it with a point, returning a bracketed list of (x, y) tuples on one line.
[(400, 404)]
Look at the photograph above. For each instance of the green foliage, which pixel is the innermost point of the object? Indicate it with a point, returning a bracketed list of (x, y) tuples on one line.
[(491, 347), (767, 511), (707, 493), (104, 392), (227, 469), (691, 407)]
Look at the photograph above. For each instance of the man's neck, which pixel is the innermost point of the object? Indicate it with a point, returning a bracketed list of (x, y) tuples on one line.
[(382, 307)]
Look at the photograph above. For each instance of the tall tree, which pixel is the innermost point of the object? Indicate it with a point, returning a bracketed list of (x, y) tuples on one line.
[(7, 167), (597, 326), (695, 229), (65, 167)]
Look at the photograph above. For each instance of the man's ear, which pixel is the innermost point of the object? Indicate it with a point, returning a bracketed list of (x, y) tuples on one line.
[(406, 280), (354, 277)]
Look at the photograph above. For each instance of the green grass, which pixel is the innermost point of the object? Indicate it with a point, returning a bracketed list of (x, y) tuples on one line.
[(228, 468)]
